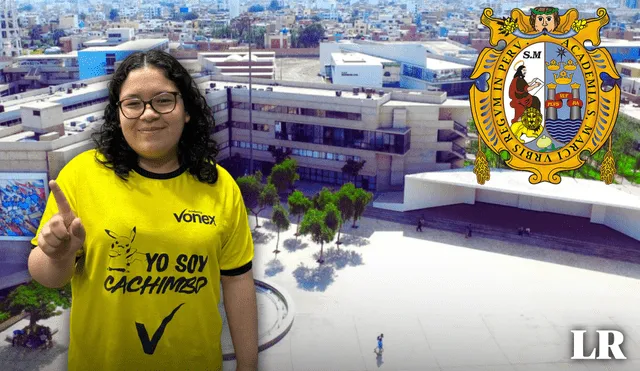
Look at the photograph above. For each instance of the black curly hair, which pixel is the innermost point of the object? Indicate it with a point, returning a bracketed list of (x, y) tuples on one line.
[(197, 151)]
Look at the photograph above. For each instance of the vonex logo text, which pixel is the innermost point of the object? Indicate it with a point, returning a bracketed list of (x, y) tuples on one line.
[(193, 216), (608, 340)]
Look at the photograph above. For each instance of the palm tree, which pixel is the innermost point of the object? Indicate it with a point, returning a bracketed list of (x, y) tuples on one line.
[(280, 219)]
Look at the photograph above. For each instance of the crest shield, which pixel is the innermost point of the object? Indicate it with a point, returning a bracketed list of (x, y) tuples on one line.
[(544, 102)]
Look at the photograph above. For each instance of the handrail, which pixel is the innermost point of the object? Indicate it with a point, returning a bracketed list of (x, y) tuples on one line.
[(460, 127), (458, 149)]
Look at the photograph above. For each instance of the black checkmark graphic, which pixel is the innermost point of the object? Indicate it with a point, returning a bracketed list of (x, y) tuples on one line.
[(149, 345)]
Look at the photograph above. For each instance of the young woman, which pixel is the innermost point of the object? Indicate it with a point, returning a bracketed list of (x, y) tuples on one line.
[(147, 227)]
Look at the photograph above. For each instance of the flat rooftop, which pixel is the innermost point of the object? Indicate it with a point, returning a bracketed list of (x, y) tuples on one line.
[(619, 43), (71, 55), (292, 90), (454, 103), (40, 104), (439, 65), (15, 104), (583, 191), (629, 64), (354, 58), (440, 47), (141, 44)]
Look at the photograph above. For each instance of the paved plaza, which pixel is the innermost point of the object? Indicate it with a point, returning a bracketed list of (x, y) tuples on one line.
[(442, 301)]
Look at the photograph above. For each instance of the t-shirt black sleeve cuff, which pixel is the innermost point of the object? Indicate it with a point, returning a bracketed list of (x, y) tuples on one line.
[(237, 271)]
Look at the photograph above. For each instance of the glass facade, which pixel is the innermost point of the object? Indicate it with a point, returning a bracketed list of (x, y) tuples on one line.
[(220, 127), (219, 107), (245, 125), (347, 138), (298, 151), (300, 111), (460, 74), (336, 177)]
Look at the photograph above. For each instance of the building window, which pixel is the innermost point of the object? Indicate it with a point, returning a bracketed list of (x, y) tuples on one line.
[(36, 113), (340, 137), (300, 111), (111, 59)]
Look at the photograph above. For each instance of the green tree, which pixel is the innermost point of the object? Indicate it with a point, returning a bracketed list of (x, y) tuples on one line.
[(113, 14), (38, 301), (82, 16), (323, 198), (316, 18), (221, 32), (284, 175), (256, 195), (332, 217), (240, 27), (345, 197), (352, 168), (361, 199), (280, 218), (257, 37), (274, 6), (268, 197), (298, 206), (57, 34), (494, 159), (311, 35), (36, 33), (191, 16), (295, 38), (313, 224), (279, 154)]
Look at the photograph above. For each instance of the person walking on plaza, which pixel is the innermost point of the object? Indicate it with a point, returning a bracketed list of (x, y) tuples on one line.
[(379, 349), (419, 227)]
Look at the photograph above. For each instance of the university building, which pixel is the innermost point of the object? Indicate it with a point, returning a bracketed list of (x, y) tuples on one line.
[(397, 132)]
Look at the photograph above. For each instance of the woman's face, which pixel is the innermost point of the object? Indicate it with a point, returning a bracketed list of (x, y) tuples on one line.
[(152, 135)]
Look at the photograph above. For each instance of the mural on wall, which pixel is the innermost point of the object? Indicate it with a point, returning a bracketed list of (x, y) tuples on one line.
[(23, 198)]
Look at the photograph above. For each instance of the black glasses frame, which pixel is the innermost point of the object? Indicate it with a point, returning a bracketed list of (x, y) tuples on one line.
[(150, 103)]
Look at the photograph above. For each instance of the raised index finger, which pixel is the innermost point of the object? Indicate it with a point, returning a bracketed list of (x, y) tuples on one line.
[(61, 200)]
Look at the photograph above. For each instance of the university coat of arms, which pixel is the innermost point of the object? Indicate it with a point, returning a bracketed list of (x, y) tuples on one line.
[(543, 104)]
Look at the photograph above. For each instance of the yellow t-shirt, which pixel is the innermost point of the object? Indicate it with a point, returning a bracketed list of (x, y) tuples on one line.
[(147, 286)]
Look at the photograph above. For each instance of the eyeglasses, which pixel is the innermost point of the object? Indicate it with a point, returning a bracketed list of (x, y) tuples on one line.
[(163, 103)]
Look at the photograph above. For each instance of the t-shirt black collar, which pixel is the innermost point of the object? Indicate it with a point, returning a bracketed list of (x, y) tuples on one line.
[(152, 175)]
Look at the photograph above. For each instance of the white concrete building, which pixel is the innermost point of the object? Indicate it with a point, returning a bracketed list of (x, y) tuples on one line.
[(234, 9), (428, 65), (10, 43), (395, 132), (42, 70), (602, 203), (120, 34), (356, 69), (151, 11), (68, 21), (237, 64)]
